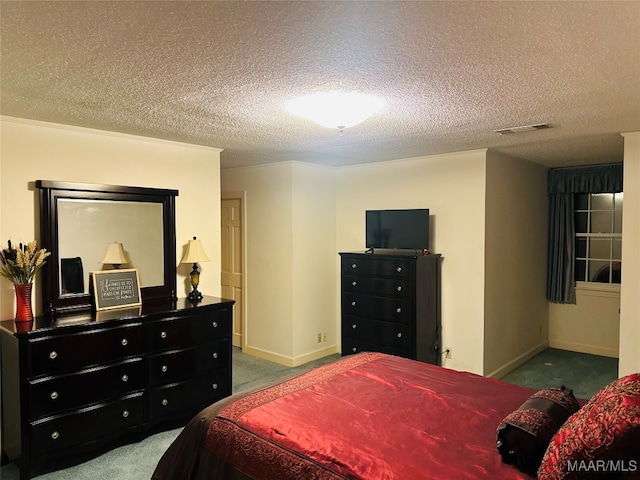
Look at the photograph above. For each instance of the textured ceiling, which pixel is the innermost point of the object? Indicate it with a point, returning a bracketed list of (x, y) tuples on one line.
[(219, 73)]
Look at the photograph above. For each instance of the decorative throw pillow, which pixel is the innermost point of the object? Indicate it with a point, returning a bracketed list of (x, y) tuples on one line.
[(602, 439), (523, 435)]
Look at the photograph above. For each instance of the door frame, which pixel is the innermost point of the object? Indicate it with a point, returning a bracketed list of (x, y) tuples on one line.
[(242, 196)]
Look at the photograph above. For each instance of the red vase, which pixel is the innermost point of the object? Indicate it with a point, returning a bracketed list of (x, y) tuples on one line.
[(24, 313)]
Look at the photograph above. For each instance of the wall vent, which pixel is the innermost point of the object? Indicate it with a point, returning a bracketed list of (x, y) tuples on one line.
[(523, 128)]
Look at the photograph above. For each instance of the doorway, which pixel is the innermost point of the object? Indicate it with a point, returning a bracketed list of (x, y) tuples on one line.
[(232, 262)]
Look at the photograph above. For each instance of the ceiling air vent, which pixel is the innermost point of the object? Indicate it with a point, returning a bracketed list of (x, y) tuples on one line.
[(523, 128)]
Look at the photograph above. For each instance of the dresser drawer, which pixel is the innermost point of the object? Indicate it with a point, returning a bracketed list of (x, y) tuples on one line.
[(368, 265), (396, 287), (383, 308), (82, 426), (352, 345), (64, 353), (176, 397), (178, 332), (55, 394), (176, 365), (393, 334)]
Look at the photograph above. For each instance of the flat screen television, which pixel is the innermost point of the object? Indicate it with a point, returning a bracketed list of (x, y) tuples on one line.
[(401, 229)]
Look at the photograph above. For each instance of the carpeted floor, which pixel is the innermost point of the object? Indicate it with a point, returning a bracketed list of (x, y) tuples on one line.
[(250, 372), (584, 373), (136, 461)]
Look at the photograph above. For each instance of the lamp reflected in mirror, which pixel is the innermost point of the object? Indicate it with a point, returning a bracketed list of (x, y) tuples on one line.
[(195, 254), (115, 255)]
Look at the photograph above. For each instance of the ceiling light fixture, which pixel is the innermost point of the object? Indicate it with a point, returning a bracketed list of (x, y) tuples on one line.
[(335, 109), (523, 128)]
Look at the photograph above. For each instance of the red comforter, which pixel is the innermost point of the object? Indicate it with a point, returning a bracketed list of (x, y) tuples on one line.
[(369, 416)]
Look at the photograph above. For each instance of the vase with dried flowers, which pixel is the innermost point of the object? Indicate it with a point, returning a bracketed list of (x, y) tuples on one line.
[(20, 266)]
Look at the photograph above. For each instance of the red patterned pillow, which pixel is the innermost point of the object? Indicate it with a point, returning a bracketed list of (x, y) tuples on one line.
[(602, 439)]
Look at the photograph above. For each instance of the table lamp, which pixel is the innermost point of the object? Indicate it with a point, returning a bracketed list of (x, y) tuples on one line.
[(194, 254), (115, 255)]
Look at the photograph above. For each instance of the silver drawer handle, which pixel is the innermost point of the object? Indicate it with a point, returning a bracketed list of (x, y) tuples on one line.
[(399, 288), (354, 326), (399, 269), (399, 335), (354, 349), (215, 355), (55, 435), (214, 324), (164, 369), (163, 334), (53, 355), (353, 284), (54, 395), (124, 342), (125, 378), (398, 310), (353, 304), (214, 386), (125, 414), (354, 265), (165, 401)]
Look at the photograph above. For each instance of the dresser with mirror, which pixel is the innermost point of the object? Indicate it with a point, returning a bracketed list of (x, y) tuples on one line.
[(75, 379)]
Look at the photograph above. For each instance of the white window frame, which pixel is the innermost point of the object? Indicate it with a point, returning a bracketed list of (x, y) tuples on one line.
[(599, 286)]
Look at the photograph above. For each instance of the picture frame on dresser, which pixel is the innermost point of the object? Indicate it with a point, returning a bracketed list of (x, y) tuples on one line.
[(119, 288)]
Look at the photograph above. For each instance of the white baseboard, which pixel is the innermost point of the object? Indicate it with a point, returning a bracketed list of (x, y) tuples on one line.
[(582, 348), (290, 361), (520, 360)]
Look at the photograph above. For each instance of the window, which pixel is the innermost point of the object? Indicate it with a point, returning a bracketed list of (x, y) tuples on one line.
[(598, 225)]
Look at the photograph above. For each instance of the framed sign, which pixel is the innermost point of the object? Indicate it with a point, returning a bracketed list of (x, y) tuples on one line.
[(116, 288)]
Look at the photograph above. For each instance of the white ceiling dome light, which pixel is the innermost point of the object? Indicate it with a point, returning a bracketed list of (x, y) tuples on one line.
[(335, 109)]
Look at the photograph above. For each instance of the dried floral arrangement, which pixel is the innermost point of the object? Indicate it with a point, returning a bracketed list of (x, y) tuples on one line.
[(21, 264)]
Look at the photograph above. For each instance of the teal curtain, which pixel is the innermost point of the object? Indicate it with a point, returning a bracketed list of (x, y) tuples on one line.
[(563, 184)]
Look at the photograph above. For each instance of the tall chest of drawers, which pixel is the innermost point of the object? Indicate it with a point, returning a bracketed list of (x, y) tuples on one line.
[(390, 303), (73, 384)]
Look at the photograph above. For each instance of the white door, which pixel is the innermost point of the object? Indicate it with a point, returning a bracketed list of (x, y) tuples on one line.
[(232, 265)]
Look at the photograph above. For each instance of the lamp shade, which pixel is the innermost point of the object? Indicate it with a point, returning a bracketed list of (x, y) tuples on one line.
[(115, 254), (195, 252)]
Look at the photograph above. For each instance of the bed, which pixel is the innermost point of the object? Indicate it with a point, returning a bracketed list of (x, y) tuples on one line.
[(365, 416)]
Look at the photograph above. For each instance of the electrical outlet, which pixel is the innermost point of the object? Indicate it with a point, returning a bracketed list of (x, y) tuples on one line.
[(324, 337), (448, 352), (319, 337)]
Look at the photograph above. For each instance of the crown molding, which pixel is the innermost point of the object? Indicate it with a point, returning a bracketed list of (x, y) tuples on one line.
[(106, 133)]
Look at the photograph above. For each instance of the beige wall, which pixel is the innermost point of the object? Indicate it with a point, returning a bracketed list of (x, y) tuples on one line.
[(268, 237), (314, 261), (290, 267), (516, 309), (35, 150), (592, 325), (629, 297), (452, 186)]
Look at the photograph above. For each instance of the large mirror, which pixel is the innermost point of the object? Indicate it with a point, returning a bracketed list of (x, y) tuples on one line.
[(78, 224)]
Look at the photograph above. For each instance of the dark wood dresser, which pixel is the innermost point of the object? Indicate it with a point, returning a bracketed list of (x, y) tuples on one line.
[(71, 384), (391, 304)]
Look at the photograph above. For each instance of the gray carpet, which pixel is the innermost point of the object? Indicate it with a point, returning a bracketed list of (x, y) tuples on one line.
[(584, 373)]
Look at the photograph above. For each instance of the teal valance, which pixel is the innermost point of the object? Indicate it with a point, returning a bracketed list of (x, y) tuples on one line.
[(593, 179)]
